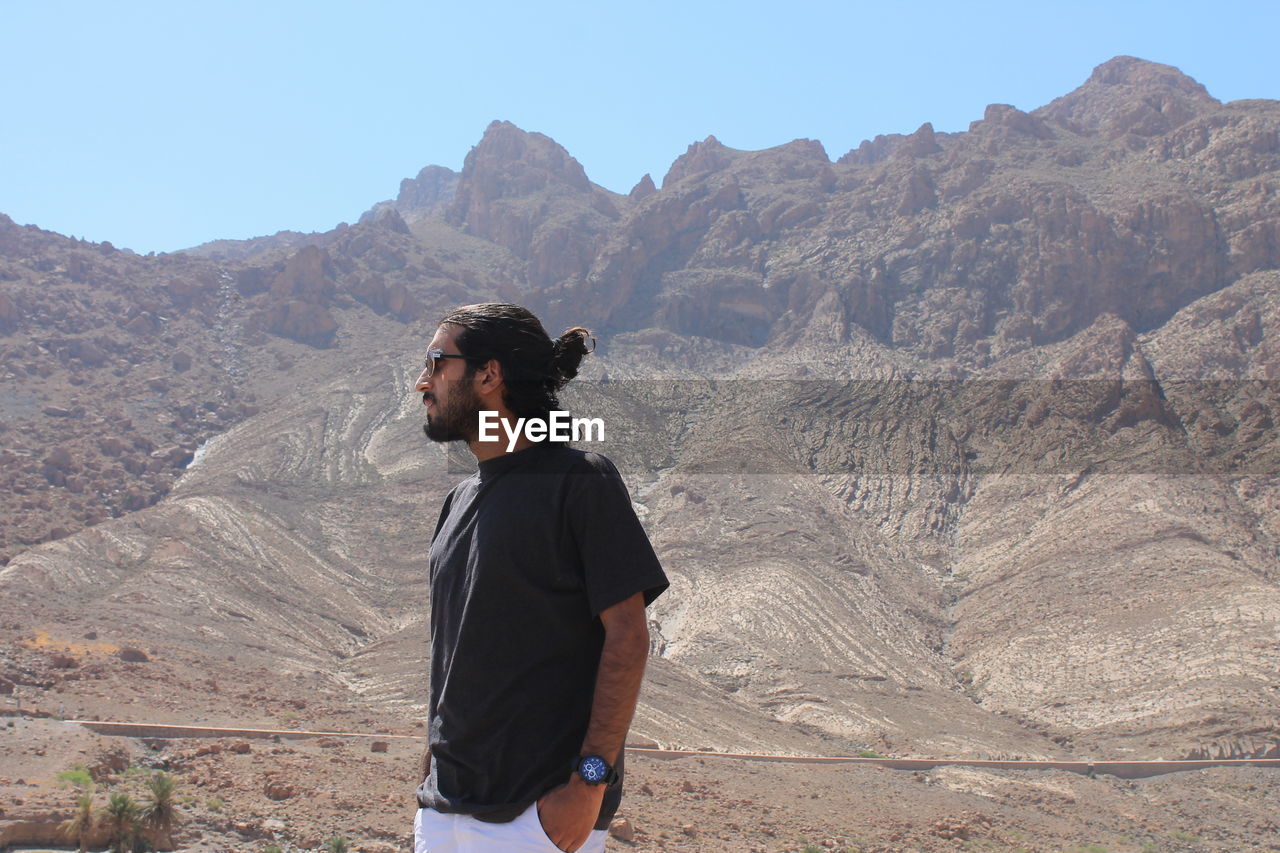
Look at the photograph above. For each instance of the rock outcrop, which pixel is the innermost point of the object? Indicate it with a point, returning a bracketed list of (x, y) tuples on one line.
[(425, 195)]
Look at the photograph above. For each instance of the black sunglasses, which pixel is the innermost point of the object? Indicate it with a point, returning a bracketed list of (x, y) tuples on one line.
[(434, 356)]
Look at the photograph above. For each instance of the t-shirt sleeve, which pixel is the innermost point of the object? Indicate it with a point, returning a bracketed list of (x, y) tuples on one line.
[(617, 559)]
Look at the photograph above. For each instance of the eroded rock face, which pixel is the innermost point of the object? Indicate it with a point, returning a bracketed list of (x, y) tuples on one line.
[(309, 273), (302, 321)]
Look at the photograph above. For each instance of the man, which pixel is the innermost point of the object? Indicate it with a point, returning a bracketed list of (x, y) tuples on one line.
[(540, 574)]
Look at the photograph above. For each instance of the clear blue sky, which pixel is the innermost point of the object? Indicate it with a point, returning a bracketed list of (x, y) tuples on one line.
[(158, 126)]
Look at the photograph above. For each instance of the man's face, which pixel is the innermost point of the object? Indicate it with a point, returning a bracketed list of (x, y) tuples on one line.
[(451, 401)]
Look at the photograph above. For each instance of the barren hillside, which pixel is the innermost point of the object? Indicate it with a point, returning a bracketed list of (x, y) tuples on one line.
[(955, 444)]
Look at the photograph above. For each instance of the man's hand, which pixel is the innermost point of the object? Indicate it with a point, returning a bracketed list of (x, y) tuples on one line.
[(568, 813)]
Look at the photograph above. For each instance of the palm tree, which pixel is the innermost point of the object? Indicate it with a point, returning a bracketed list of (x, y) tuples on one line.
[(122, 820), (82, 822), (160, 813)]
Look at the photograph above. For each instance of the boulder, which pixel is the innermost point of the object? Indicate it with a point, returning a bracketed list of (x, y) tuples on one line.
[(623, 830), (91, 353), (60, 459), (278, 790)]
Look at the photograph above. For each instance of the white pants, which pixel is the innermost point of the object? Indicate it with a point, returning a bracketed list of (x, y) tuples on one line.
[(434, 832)]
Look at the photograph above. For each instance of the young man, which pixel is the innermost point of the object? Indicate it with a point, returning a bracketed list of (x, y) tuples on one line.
[(540, 574)]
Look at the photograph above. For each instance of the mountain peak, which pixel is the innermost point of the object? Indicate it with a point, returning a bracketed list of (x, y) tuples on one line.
[(709, 155), (513, 185), (1132, 71), (526, 161), (1127, 95), (643, 188), (509, 164)]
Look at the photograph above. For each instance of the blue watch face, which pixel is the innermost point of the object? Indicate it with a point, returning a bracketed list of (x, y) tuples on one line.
[(593, 769)]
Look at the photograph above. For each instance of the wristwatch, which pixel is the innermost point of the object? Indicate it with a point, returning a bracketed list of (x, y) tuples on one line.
[(594, 770)]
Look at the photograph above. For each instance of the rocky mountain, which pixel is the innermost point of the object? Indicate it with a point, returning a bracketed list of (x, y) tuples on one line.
[(958, 444)]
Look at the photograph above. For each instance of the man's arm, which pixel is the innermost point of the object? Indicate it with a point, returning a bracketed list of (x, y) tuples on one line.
[(569, 812), (426, 764)]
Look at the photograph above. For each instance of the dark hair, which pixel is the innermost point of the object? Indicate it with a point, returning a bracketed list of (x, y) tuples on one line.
[(534, 367)]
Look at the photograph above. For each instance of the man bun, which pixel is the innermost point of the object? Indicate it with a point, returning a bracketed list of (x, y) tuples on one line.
[(567, 352)]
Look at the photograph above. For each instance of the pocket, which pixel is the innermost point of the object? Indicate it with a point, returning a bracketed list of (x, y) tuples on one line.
[(430, 829), (540, 830)]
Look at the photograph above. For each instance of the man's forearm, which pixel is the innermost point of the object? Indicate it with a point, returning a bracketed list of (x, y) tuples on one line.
[(569, 811), (426, 763), (621, 670)]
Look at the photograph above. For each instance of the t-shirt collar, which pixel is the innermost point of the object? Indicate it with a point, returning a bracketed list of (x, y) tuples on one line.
[(498, 465)]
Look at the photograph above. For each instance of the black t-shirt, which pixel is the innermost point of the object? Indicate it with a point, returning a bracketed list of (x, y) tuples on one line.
[(526, 554)]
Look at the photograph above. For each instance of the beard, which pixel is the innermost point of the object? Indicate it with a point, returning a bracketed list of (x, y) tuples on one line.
[(458, 417)]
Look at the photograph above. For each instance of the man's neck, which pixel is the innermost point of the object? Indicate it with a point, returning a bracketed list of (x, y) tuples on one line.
[(486, 450)]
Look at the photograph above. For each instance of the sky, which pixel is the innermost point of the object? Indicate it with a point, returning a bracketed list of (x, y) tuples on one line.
[(159, 126)]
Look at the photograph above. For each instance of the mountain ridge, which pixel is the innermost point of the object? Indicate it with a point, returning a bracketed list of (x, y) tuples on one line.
[(1055, 275)]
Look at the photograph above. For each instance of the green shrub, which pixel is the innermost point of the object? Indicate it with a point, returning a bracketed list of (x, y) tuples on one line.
[(77, 776)]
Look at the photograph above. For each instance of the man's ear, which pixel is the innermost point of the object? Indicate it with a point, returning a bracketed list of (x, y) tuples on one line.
[(489, 377)]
